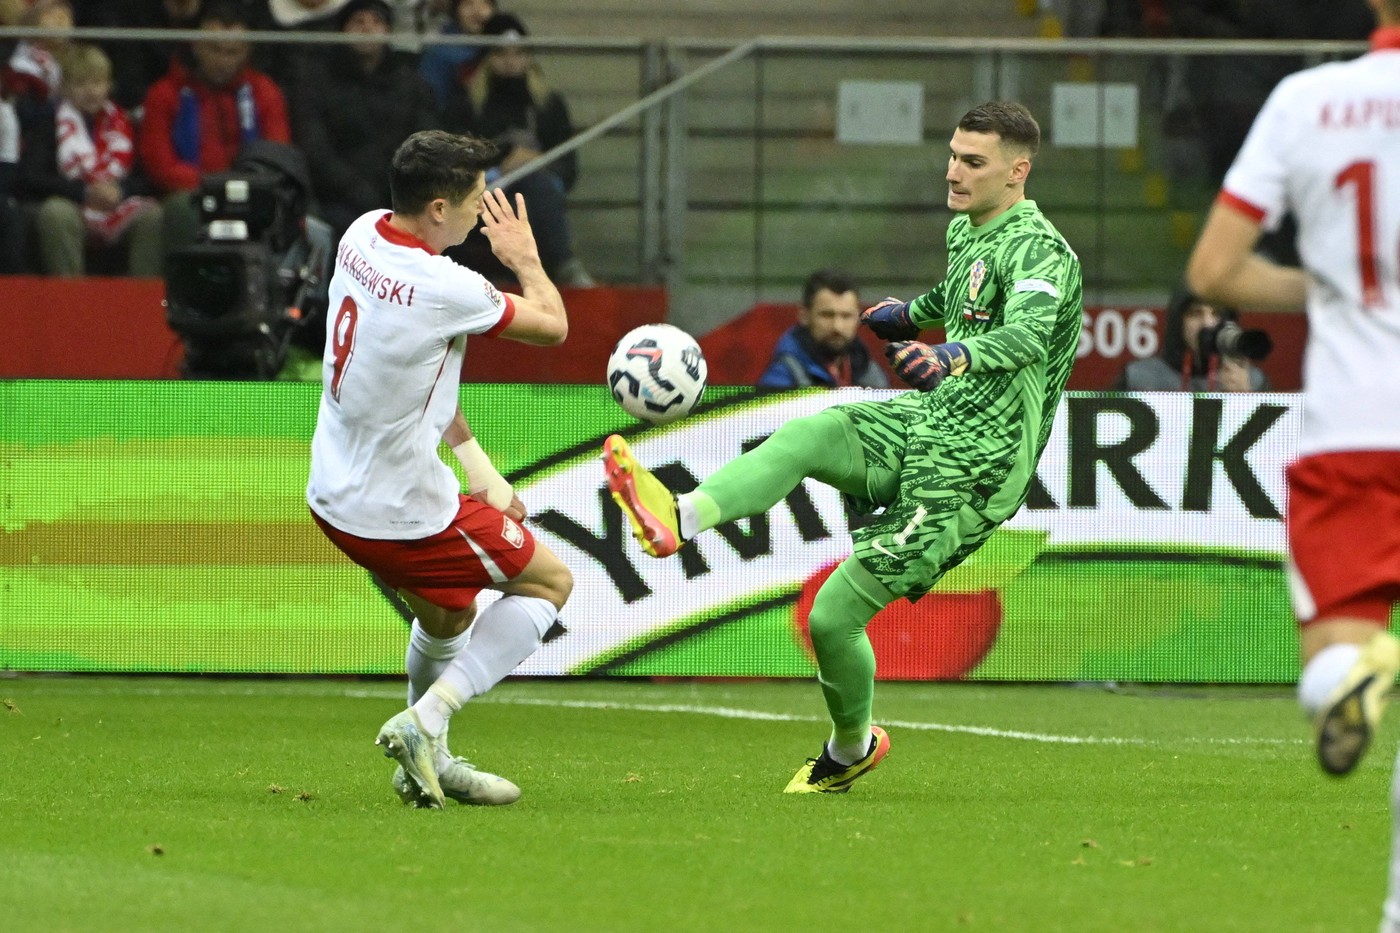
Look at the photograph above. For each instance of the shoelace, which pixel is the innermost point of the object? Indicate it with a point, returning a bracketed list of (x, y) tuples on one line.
[(824, 767)]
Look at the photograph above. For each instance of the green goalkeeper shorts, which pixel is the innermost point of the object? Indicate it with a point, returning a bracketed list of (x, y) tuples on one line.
[(931, 520)]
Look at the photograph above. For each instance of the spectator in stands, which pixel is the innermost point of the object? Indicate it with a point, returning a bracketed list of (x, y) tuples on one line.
[(32, 78), (34, 72), (202, 112), (359, 103), (11, 224), (12, 243), (1180, 366), (1228, 90), (822, 348), (34, 65), (418, 18), (138, 65), (445, 67), (508, 101), (306, 15), (76, 165)]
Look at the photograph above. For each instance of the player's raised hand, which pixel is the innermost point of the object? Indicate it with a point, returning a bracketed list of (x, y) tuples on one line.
[(891, 319), (507, 227)]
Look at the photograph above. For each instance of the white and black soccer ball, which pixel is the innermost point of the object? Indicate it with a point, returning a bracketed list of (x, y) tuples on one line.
[(657, 373)]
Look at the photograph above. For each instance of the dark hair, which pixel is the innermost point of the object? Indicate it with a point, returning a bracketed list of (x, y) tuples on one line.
[(227, 12), (1008, 119), (503, 24), (832, 280), (1174, 349), (379, 8), (436, 164)]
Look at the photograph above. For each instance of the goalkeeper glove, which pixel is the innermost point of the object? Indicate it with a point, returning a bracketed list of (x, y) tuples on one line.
[(922, 366), (891, 319), (483, 481)]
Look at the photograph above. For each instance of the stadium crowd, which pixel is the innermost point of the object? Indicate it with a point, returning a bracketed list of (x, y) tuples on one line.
[(103, 146)]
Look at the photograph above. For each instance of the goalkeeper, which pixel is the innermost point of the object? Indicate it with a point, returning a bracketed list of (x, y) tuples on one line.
[(944, 466)]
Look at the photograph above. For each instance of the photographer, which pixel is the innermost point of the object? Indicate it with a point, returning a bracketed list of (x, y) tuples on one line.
[(1188, 363)]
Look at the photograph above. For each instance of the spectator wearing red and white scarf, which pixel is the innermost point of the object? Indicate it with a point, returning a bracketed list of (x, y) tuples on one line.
[(80, 163), (33, 71)]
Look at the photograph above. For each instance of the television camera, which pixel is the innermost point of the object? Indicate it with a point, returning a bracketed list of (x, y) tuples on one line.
[(258, 272)]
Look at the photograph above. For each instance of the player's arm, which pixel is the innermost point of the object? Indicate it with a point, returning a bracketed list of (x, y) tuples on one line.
[(1224, 268), (484, 481), (892, 319), (1040, 274), (540, 318)]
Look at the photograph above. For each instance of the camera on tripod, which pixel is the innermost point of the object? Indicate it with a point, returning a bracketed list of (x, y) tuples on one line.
[(258, 271), (1230, 339)]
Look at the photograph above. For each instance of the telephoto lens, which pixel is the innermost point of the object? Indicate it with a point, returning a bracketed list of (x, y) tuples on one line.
[(1230, 339)]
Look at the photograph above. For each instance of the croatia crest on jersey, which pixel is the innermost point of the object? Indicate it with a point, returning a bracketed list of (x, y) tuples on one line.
[(976, 276), (975, 279)]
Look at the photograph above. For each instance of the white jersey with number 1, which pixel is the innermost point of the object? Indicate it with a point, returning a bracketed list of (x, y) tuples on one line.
[(395, 338), (1326, 147)]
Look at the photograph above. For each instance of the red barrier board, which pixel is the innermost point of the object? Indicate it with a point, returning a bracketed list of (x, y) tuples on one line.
[(114, 328), (738, 350)]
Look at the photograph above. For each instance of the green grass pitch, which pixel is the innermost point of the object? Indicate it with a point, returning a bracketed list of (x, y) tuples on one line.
[(210, 804)]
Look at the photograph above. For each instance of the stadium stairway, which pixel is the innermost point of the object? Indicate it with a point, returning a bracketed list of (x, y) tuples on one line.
[(772, 194)]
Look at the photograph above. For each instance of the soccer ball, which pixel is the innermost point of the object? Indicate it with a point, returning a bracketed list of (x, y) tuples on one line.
[(657, 373)]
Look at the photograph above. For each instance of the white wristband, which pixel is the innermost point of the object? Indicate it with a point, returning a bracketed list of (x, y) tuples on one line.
[(482, 478)]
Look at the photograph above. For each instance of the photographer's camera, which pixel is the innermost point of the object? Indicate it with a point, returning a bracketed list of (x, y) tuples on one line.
[(1230, 339)]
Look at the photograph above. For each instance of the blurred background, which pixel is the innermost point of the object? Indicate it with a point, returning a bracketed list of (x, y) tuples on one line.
[(720, 154)]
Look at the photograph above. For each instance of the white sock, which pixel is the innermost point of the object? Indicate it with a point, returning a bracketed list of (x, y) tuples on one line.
[(848, 754), (427, 657), (686, 516), (1323, 673), (1391, 921), (504, 635)]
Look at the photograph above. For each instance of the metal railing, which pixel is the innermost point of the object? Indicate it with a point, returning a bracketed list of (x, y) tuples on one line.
[(738, 181)]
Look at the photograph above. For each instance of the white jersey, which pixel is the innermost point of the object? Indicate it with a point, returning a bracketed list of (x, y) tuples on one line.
[(1326, 147), (395, 337)]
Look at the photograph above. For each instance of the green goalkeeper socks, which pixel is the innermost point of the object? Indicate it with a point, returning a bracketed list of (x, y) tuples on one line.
[(845, 604), (823, 446)]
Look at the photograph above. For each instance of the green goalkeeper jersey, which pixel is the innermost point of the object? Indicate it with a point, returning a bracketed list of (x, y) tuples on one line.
[(1013, 296)]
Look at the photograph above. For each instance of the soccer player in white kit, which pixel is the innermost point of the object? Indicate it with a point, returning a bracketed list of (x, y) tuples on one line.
[(397, 328), (1326, 147)]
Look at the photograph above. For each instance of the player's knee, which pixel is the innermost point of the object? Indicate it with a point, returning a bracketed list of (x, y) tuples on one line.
[(825, 627), (562, 586), (828, 620), (551, 578), (840, 610)]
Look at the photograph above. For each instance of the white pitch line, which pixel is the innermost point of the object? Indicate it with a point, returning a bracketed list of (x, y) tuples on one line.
[(728, 712), (206, 688)]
